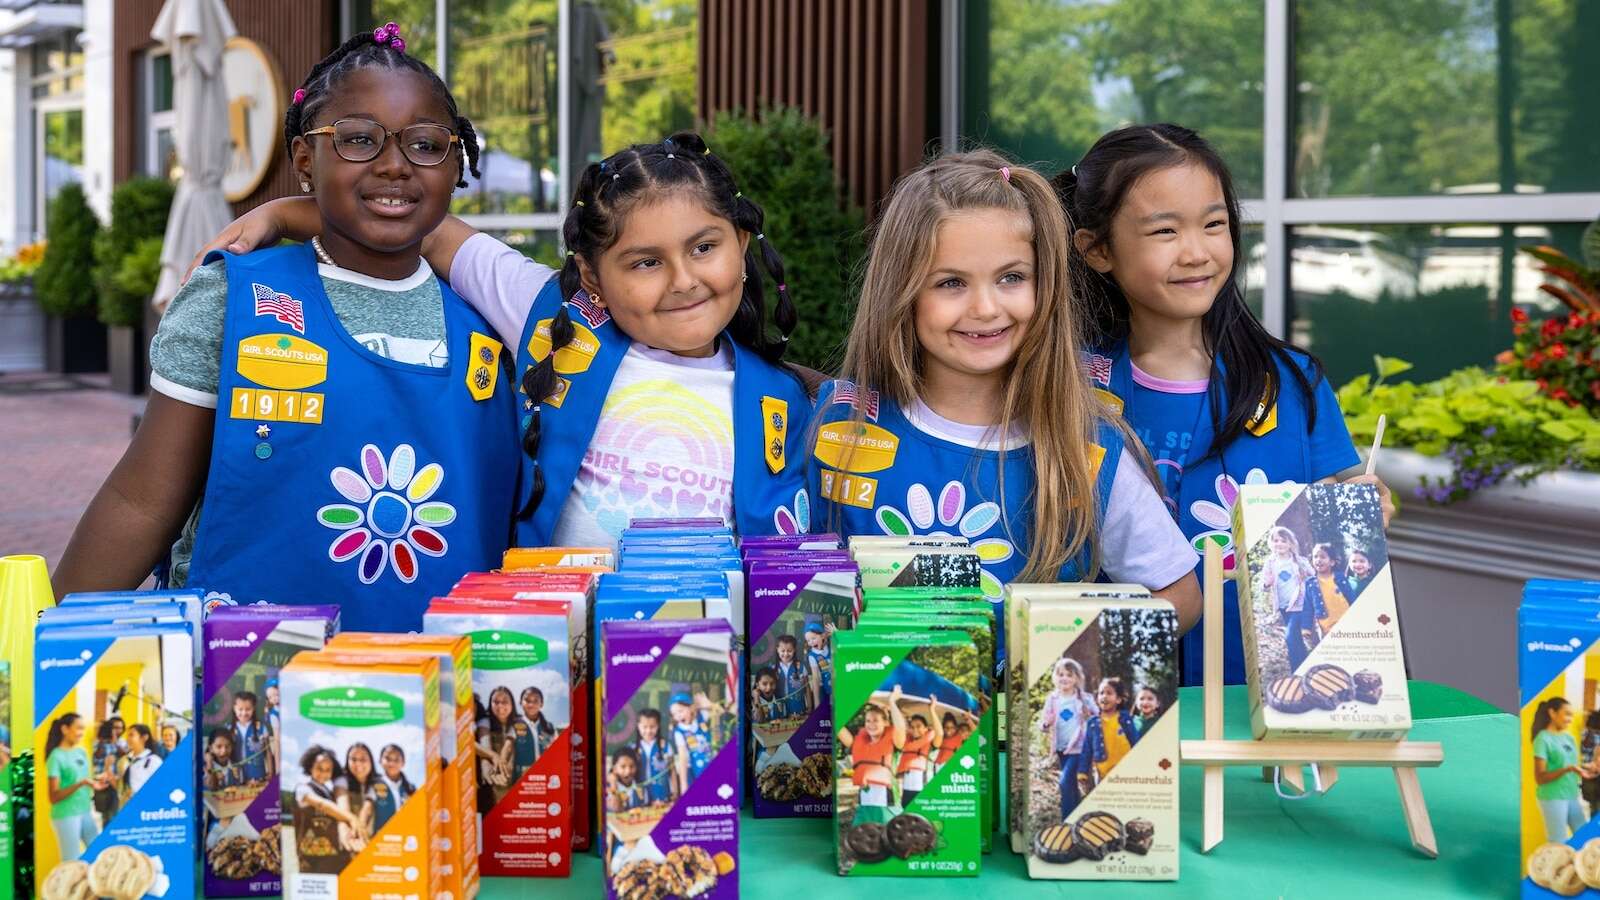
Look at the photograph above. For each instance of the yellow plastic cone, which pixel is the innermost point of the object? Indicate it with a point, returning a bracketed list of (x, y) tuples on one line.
[(24, 594)]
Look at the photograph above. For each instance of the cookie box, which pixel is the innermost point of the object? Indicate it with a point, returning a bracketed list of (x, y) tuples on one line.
[(953, 727), (361, 790), (518, 558), (671, 760), (822, 541), (1095, 732), (1323, 656), (897, 811), (126, 828), (520, 683), (457, 728), (241, 755), (794, 610), (1558, 641)]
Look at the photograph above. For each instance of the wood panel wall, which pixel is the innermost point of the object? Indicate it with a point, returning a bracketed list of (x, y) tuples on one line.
[(864, 68), (295, 33)]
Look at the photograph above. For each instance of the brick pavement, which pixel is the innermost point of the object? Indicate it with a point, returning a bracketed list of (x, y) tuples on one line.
[(59, 439)]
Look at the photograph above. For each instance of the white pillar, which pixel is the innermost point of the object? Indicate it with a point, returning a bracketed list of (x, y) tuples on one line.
[(16, 167), (99, 141)]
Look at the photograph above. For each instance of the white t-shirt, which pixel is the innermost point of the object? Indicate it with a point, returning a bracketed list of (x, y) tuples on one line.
[(1139, 541), (140, 768), (663, 447)]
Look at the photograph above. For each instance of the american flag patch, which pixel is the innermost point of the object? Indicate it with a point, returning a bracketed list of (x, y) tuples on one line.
[(593, 314), (282, 307), (845, 392), (1099, 368)]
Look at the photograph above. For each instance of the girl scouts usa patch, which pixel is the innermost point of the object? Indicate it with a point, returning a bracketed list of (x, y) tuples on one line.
[(483, 366)]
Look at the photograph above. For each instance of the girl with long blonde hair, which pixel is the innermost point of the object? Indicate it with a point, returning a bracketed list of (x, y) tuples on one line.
[(963, 407)]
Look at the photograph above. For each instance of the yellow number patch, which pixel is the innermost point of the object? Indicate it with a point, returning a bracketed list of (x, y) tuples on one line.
[(276, 406), (851, 490)]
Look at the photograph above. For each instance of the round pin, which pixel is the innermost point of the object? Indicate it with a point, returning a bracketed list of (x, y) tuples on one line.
[(263, 450)]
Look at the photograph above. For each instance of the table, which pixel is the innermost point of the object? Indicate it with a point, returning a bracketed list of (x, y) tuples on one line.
[(1348, 843)]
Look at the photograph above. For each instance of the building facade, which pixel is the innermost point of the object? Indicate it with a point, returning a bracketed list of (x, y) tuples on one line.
[(1388, 181)]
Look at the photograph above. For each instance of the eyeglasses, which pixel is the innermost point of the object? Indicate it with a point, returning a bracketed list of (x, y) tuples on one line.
[(361, 140)]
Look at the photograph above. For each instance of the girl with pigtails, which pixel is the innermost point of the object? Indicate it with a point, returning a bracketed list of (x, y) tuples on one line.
[(650, 380)]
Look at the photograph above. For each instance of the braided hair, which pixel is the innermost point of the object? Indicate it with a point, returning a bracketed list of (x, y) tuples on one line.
[(384, 49), (606, 192)]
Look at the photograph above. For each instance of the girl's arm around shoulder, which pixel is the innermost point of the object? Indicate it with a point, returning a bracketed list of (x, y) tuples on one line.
[(495, 279)]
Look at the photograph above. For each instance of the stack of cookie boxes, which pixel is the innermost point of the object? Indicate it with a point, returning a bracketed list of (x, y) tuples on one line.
[(1093, 749), (1558, 636), (801, 590), (124, 828)]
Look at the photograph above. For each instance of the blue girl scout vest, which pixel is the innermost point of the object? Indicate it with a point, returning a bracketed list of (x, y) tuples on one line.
[(902, 480), (1275, 448), (770, 411), (340, 476), (696, 742)]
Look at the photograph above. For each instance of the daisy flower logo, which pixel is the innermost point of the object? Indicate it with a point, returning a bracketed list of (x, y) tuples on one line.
[(796, 520), (951, 512), (1219, 516), (390, 517)]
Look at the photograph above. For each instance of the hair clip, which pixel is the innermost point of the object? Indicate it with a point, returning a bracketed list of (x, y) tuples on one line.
[(761, 236), (706, 152), (577, 203), (782, 288), (1005, 173), (615, 176), (571, 254), (299, 97), (671, 156), (738, 194), (1074, 171), (389, 35)]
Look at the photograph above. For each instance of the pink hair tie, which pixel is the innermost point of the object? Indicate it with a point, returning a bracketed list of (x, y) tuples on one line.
[(398, 44), (299, 95), (783, 288), (1005, 173)]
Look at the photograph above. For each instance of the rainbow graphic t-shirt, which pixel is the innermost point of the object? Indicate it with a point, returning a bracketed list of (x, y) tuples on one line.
[(663, 447)]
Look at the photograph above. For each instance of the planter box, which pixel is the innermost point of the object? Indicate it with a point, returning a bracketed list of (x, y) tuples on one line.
[(127, 350), (1459, 569), (74, 346), (21, 329)]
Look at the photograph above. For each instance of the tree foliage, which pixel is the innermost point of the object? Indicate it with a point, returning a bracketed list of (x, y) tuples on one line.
[(64, 282), (122, 257)]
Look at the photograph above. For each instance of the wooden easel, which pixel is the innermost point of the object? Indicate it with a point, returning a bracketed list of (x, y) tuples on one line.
[(1215, 754)]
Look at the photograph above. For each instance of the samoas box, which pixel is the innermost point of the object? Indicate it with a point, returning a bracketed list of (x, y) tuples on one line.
[(241, 758), (1323, 657), (458, 787), (794, 609), (129, 835), (1095, 732), (672, 762), (362, 731), (521, 680), (897, 812)]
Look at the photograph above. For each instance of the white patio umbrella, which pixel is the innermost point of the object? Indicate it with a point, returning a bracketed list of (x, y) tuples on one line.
[(194, 32)]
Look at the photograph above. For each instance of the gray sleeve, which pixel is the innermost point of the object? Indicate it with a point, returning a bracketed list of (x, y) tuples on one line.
[(186, 353), (1139, 541)]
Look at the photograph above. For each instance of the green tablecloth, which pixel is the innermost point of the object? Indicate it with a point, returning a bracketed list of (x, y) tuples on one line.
[(1349, 843)]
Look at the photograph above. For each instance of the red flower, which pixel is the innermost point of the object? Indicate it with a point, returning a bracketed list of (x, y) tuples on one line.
[(1575, 320), (1518, 315), (1550, 328), (1559, 351), (1534, 360), (1562, 395), (1518, 330)]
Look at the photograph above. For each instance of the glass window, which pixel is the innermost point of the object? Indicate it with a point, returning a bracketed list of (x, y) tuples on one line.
[(542, 246), (1045, 78), (58, 66), (633, 74), (61, 134), (1438, 296), (161, 83), (1255, 268), (502, 57), (1443, 97)]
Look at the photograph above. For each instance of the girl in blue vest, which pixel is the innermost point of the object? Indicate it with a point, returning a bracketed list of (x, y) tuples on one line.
[(695, 734), (965, 411), (794, 685), (819, 661), (337, 412), (392, 789), (651, 383), (654, 752), (1216, 399)]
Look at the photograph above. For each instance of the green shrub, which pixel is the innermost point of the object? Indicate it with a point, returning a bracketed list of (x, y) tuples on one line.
[(139, 208), (781, 161), (65, 280)]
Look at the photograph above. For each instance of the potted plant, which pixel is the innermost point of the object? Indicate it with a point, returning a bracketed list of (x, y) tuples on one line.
[(21, 321), (64, 284), (127, 266)]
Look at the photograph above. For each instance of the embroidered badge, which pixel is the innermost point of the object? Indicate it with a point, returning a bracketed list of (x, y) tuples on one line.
[(281, 307), (856, 446), (1112, 401), (845, 392), (591, 312), (282, 361), (390, 517), (1098, 368), (775, 422), (575, 357), (483, 366)]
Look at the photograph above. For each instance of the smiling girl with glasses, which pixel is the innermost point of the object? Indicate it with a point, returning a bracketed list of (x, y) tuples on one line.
[(328, 419)]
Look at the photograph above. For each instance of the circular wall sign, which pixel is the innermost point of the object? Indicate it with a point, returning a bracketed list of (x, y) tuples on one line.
[(255, 115)]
